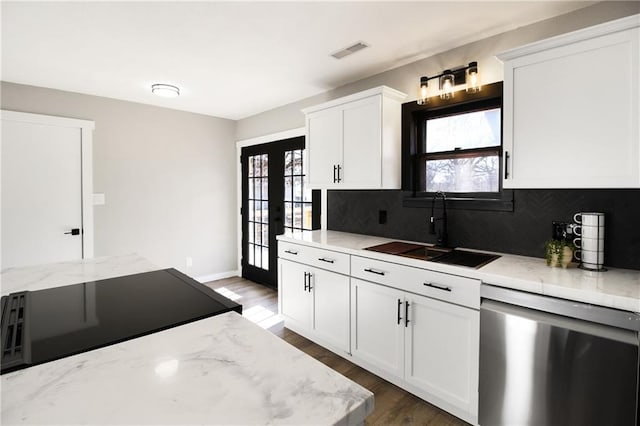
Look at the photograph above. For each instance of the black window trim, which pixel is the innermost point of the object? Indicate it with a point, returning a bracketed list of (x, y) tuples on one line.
[(414, 117)]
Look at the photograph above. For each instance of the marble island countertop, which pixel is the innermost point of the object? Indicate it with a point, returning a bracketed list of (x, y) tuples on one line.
[(615, 288), (219, 370), (50, 275), (222, 370)]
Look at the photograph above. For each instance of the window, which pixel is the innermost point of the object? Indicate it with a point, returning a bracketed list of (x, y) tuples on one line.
[(462, 152), (455, 146)]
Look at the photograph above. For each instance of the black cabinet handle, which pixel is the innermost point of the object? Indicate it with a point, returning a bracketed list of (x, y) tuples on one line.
[(334, 173), (399, 305), (339, 173), (374, 272), (306, 276), (309, 285), (295, 253), (323, 259), (506, 164), (439, 287), (406, 314), (74, 231)]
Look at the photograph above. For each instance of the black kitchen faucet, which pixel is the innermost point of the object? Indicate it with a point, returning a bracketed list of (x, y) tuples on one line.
[(442, 232)]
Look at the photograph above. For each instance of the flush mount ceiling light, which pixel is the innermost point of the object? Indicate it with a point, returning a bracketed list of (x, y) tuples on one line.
[(448, 79), (165, 90)]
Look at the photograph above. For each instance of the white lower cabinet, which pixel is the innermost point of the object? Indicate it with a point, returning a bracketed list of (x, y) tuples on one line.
[(427, 346), (295, 299), (416, 328), (376, 329), (442, 352), (315, 302)]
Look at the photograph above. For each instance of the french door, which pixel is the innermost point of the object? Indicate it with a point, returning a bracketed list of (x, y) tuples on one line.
[(274, 199)]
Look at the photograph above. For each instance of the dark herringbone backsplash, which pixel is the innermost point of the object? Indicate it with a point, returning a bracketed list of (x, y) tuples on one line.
[(522, 231)]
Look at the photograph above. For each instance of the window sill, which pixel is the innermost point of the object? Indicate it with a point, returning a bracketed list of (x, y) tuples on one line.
[(504, 203)]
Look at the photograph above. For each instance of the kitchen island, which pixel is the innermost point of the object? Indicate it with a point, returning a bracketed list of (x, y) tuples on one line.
[(219, 370)]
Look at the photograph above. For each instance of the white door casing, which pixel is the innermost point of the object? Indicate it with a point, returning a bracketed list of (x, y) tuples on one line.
[(46, 189)]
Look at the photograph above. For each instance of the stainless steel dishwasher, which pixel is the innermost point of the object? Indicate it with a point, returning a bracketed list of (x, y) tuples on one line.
[(547, 361)]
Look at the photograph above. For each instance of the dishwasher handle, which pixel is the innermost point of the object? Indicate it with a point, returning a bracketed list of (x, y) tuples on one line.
[(553, 320), (567, 308)]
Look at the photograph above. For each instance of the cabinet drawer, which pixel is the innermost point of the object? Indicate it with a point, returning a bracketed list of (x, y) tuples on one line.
[(449, 288), (326, 259)]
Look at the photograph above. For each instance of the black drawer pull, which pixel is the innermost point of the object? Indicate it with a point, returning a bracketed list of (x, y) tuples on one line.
[(399, 317), (295, 253), (439, 287), (323, 259), (374, 272)]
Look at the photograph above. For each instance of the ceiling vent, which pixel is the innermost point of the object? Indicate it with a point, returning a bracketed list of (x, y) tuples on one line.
[(349, 50)]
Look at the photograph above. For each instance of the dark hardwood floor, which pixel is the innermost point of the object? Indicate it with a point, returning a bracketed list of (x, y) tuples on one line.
[(393, 406)]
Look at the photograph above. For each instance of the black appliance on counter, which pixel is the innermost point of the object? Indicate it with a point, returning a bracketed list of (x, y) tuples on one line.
[(45, 325)]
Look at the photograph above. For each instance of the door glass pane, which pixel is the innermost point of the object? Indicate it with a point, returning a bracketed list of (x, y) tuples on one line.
[(297, 162), (288, 188), (264, 213), (288, 215), (306, 217)]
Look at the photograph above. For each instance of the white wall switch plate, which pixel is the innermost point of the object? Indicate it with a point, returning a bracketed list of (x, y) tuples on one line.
[(98, 199)]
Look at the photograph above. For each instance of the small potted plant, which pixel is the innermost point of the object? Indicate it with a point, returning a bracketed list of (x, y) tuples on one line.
[(559, 252)]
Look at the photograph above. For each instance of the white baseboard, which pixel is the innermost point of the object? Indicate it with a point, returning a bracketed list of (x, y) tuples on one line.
[(218, 276)]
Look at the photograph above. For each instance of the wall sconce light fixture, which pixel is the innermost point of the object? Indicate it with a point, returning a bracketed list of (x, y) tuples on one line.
[(447, 81)]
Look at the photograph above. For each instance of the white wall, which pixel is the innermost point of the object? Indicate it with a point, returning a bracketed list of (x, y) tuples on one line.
[(406, 78), (168, 177)]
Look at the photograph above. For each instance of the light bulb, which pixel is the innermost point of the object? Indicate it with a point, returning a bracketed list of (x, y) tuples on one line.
[(473, 79), (422, 90), (447, 83)]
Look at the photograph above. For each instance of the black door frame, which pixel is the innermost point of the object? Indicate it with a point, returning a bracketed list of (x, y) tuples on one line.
[(276, 151)]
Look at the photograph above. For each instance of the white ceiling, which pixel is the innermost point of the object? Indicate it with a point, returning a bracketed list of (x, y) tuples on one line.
[(236, 59)]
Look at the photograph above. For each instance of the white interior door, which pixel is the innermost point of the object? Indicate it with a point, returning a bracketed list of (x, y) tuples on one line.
[(41, 193)]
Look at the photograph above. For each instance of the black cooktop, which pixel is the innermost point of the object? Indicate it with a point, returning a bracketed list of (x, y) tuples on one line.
[(45, 325)]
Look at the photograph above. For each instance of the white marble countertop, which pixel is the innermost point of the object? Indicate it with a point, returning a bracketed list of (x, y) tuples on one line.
[(222, 370), (72, 272), (615, 288)]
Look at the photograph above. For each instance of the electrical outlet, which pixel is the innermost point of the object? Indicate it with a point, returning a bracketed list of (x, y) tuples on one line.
[(382, 217), (189, 262)]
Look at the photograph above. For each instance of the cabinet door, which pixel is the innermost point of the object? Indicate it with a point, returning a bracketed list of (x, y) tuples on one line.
[(377, 327), (324, 142), (571, 115), (362, 143), (442, 350), (331, 308), (295, 300)]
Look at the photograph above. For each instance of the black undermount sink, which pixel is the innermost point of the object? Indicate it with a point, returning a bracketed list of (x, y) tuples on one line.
[(436, 254)]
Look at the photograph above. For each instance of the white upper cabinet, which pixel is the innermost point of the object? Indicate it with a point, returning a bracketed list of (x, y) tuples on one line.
[(571, 110), (355, 142)]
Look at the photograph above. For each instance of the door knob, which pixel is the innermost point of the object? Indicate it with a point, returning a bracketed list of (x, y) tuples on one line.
[(74, 231)]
